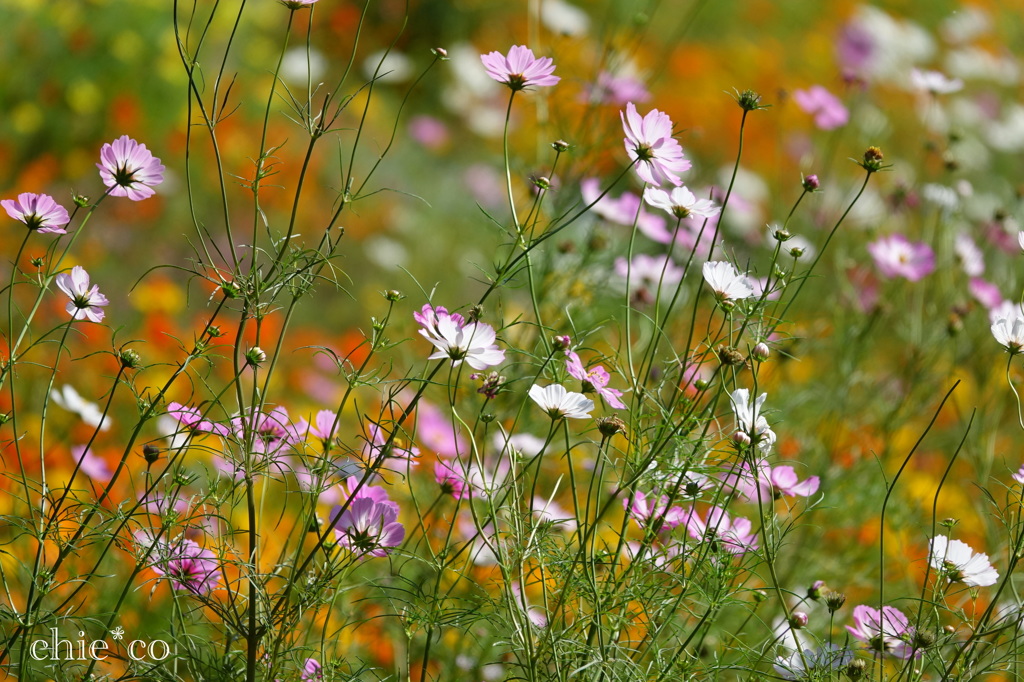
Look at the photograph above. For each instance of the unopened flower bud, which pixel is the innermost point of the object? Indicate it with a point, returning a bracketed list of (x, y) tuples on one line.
[(560, 146), (796, 252), (38, 262), (563, 342), (487, 417), (749, 100), (543, 182), (474, 313), (761, 352), (393, 295), (817, 590), (129, 358), (214, 331), (81, 201), (728, 355), (440, 53), (701, 384), (834, 601), (872, 159), (609, 426), (741, 438), (255, 356), (782, 234), (150, 453), (856, 668), (949, 523), (760, 596), (798, 620), (949, 629), (923, 639), (811, 183)]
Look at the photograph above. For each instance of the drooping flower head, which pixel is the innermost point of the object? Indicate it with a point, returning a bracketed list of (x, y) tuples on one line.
[(595, 379), (129, 169), (39, 212), (956, 561), (656, 155), (455, 339), (520, 69), (828, 111), (749, 419), (887, 632), (370, 523), (560, 403), (896, 256), (85, 299)]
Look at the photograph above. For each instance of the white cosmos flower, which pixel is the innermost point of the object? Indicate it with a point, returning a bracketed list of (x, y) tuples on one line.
[(68, 398), (726, 281), (680, 202), (560, 403), (749, 419), (1009, 331), (935, 82), (958, 562)]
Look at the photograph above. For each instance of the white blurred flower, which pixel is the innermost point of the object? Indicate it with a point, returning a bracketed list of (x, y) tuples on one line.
[(561, 17), (298, 68), (68, 398), (389, 67), (935, 82), (972, 260)]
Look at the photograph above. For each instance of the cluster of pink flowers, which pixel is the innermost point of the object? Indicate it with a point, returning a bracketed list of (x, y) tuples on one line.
[(733, 535)]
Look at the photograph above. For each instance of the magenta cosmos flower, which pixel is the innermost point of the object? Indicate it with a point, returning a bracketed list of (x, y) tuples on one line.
[(654, 511), (39, 212), (896, 256), (192, 419), (520, 69), (829, 113), (457, 340), (129, 169), (188, 566), (773, 482), (887, 632), (370, 523), (732, 535), (85, 299), (595, 379), (656, 155)]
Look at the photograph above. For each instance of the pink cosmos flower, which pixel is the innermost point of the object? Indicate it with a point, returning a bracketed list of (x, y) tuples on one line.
[(828, 111), (896, 256), (437, 432), (39, 212), (618, 90), (595, 379), (188, 566), (732, 535), (1019, 476), (457, 340), (773, 482), (369, 525), (377, 437), (312, 670), (451, 481), (271, 431), (887, 632), (656, 155), (323, 428), (293, 5), (85, 299), (654, 512), (129, 169), (92, 466), (520, 69), (985, 292), (192, 419), (625, 210), (648, 274)]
